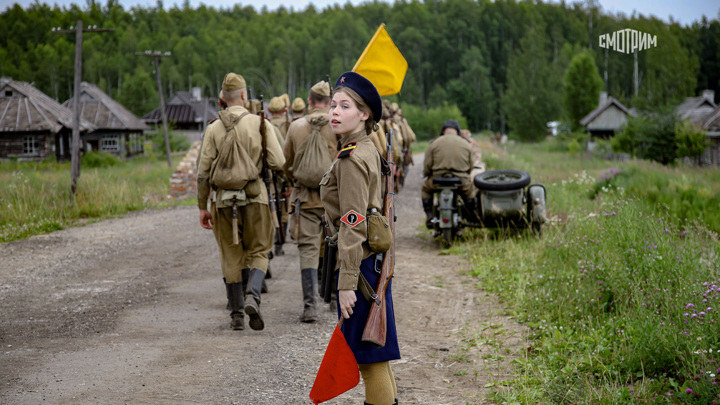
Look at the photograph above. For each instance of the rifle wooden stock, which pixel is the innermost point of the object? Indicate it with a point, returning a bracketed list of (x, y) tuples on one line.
[(296, 231), (236, 236), (375, 331)]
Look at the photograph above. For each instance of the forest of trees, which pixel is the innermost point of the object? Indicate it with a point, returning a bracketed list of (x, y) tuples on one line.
[(502, 63)]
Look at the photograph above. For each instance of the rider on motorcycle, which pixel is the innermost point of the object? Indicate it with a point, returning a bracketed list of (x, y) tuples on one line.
[(448, 155)]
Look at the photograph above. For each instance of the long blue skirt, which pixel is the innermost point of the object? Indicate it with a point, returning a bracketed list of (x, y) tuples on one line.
[(353, 328)]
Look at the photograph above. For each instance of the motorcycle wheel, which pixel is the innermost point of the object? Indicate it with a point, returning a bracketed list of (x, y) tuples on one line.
[(448, 236), (501, 180), (536, 229)]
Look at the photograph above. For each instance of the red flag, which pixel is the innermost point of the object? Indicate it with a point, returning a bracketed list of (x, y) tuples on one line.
[(338, 371)]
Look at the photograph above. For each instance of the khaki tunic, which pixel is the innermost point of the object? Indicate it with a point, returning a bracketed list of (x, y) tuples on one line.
[(448, 155), (281, 123), (311, 209), (352, 183), (254, 214)]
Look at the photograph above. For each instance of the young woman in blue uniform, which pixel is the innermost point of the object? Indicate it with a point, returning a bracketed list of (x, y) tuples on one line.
[(349, 190)]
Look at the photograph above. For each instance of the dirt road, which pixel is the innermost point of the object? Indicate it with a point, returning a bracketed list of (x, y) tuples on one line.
[(132, 311)]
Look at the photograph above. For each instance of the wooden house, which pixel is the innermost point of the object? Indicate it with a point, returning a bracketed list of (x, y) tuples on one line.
[(607, 118), (711, 126), (33, 126), (187, 112), (696, 109), (118, 131)]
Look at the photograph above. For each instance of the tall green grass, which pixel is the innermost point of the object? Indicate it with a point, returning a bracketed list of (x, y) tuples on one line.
[(620, 296), (36, 199)]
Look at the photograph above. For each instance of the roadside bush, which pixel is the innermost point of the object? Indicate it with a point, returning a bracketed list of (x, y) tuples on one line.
[(427, 123), (691, 142), (650, 137), (98, 158), (177, 142)]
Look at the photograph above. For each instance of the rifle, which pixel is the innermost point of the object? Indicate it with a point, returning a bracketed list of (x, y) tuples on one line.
[(296, 231), (375, 330), (266, 172)]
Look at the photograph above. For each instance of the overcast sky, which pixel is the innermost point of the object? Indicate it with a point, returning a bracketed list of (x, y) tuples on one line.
[(683, 11)]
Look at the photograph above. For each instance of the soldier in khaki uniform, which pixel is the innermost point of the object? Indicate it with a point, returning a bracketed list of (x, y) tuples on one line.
[(311, 209), (298, 108), (448, 155), (278, 108), (254, 220), (350, 189)]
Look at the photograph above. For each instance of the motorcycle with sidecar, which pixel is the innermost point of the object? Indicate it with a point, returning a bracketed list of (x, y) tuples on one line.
[(503, 199)]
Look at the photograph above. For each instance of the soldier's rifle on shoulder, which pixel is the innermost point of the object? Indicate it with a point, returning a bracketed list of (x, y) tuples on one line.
[(267, 174)]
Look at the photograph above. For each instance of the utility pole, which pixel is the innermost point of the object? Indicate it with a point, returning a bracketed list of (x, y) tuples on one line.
[(156, 55), (75, 154)]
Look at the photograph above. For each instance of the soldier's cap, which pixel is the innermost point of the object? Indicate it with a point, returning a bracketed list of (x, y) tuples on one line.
[(394, 106), (298, 105), (386, 103), (276, 105), (451, 124), (232, 82), (321, 88), (221, 96), (365, 89), (285, 99)]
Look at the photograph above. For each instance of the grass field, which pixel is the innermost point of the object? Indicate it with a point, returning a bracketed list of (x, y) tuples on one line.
[(620, 295), (35, 197)]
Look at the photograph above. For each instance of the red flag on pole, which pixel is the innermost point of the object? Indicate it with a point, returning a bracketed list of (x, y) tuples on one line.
[(338, 371)]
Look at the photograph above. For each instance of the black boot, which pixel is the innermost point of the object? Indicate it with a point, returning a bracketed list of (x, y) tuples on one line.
[(268, 274), (227, 293), (333, 292), (427, 207), (319, 270), (237, 315), (245, 277), (252, 301), (309, 287)]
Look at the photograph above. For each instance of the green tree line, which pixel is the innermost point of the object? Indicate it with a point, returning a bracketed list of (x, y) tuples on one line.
[(501, 62)]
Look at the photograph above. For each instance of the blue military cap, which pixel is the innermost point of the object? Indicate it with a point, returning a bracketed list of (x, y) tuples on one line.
[(365, 89)]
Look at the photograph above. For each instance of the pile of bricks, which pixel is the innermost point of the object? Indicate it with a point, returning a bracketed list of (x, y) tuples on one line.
[(183, 183)]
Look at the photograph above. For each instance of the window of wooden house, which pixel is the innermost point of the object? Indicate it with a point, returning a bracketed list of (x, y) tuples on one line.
[(110, 144), (31, 145)]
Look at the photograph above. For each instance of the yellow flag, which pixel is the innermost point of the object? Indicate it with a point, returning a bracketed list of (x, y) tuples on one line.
[(382, 63)]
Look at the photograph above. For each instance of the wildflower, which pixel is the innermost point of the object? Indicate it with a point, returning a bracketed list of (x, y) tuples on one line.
[(689, 391), (701, 313), (662, 323), (689, 306), (686, 314), (693, 316), (709, 309)]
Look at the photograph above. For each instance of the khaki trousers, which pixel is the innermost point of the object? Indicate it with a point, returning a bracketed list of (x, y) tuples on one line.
[(310, 237), (256, 239)]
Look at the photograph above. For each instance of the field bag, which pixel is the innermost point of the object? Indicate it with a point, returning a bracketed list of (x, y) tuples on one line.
[(233, 169), (379, 233), (312, 159)]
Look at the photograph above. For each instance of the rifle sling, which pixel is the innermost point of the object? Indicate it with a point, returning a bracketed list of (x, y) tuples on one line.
[(367, 291)]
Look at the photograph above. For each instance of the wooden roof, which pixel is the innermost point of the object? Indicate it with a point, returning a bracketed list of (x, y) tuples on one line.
[(182, 107), (23, 108), (104, 112), (711, 123), (610, 101), (695, 109)]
